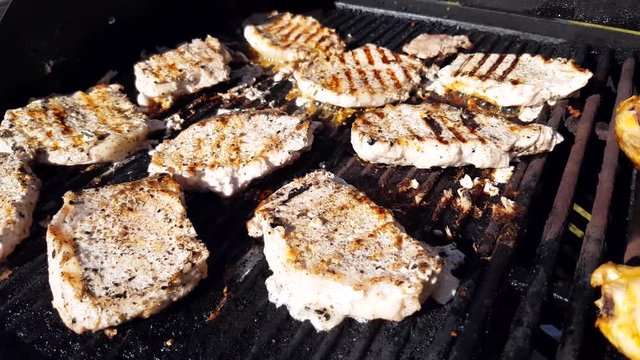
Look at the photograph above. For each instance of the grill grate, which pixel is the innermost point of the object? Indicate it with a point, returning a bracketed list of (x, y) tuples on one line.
[(251, 327)]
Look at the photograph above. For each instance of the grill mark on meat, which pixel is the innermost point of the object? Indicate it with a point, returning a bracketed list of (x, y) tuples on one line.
[(321, 40), (402, 66), (290, 31), (393, 78), (469, 122), (334, 83), (274, 24), (508, 70), (354, 56), (493, 67), (383, 56), (453, 129), (367, 52), (307, 41), (462, 66), (363, 76), (92, 107), (435, 127), (376, 74), (352, 86), (478, 65), (341, 58), (59, 114)]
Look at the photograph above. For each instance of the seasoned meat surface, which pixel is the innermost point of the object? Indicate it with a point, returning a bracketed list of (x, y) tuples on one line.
[(121, 252), (226, 152), (99, 125), (19, 190), (336, 254), (439, 135)]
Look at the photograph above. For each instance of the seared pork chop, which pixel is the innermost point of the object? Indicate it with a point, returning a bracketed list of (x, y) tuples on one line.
[(439, 135), (19, 189), (509, 81), (121, 252), (364, 77), (185, 70), (436, 47), (100, 125), (336, 254), (289, 39), (226, 152)]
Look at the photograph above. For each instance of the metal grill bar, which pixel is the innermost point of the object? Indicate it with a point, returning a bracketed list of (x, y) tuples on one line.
[(591, 251)]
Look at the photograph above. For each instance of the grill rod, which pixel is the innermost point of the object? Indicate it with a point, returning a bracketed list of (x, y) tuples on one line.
[(591, 251), (527, 316)]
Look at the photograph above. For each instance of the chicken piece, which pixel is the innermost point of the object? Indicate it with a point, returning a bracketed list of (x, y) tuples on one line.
[(100, 125), (368, 76), (627, 128), (121, 252), (619, 318), (226, 152), (336, 254), (187, 69), (436, 47), (19, 190), (516, 85), (439, 135), (290, 39)]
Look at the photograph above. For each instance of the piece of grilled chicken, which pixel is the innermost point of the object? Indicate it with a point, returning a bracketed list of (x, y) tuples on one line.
[(619, 318), (439, 135), (226, 152), (336, 254), (19, 190), (436, 47), (186, 69), (121, 252), (99, 125), (627, 128), (289, 39), (368, 76), (516, 85)]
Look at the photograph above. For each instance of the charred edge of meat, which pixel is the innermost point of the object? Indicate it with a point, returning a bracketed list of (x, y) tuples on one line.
[(459, 99)]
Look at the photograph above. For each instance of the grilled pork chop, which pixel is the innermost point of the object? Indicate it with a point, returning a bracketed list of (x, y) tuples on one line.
[(121, 252), (510, 82), (19, 189), (335, 254), (619, 319), (290, 39), (100, 125), (368, 76), (185, 70), (226, 152), (439, 135), (436, 47)]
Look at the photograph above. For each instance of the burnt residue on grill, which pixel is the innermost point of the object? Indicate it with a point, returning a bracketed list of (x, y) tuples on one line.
[(425, 202)]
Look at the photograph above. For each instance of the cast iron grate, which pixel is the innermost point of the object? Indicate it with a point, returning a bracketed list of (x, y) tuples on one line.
[(251, 327)]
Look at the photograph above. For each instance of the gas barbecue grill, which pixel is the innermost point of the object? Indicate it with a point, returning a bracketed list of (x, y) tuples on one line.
[(525, 285)]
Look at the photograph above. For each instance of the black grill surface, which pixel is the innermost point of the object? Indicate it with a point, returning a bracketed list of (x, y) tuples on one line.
[(507, 290)]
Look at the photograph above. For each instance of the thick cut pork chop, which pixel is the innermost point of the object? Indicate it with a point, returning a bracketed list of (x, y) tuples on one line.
[(19, 189), (100, 125), (336, 254), (121, 252), (511, 81), (187, 69), (290, 39), (368, 76), (226, 152), (439, 135), (436, 46)]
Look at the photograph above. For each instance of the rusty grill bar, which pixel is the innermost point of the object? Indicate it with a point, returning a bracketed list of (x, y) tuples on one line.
[(250, 327)]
